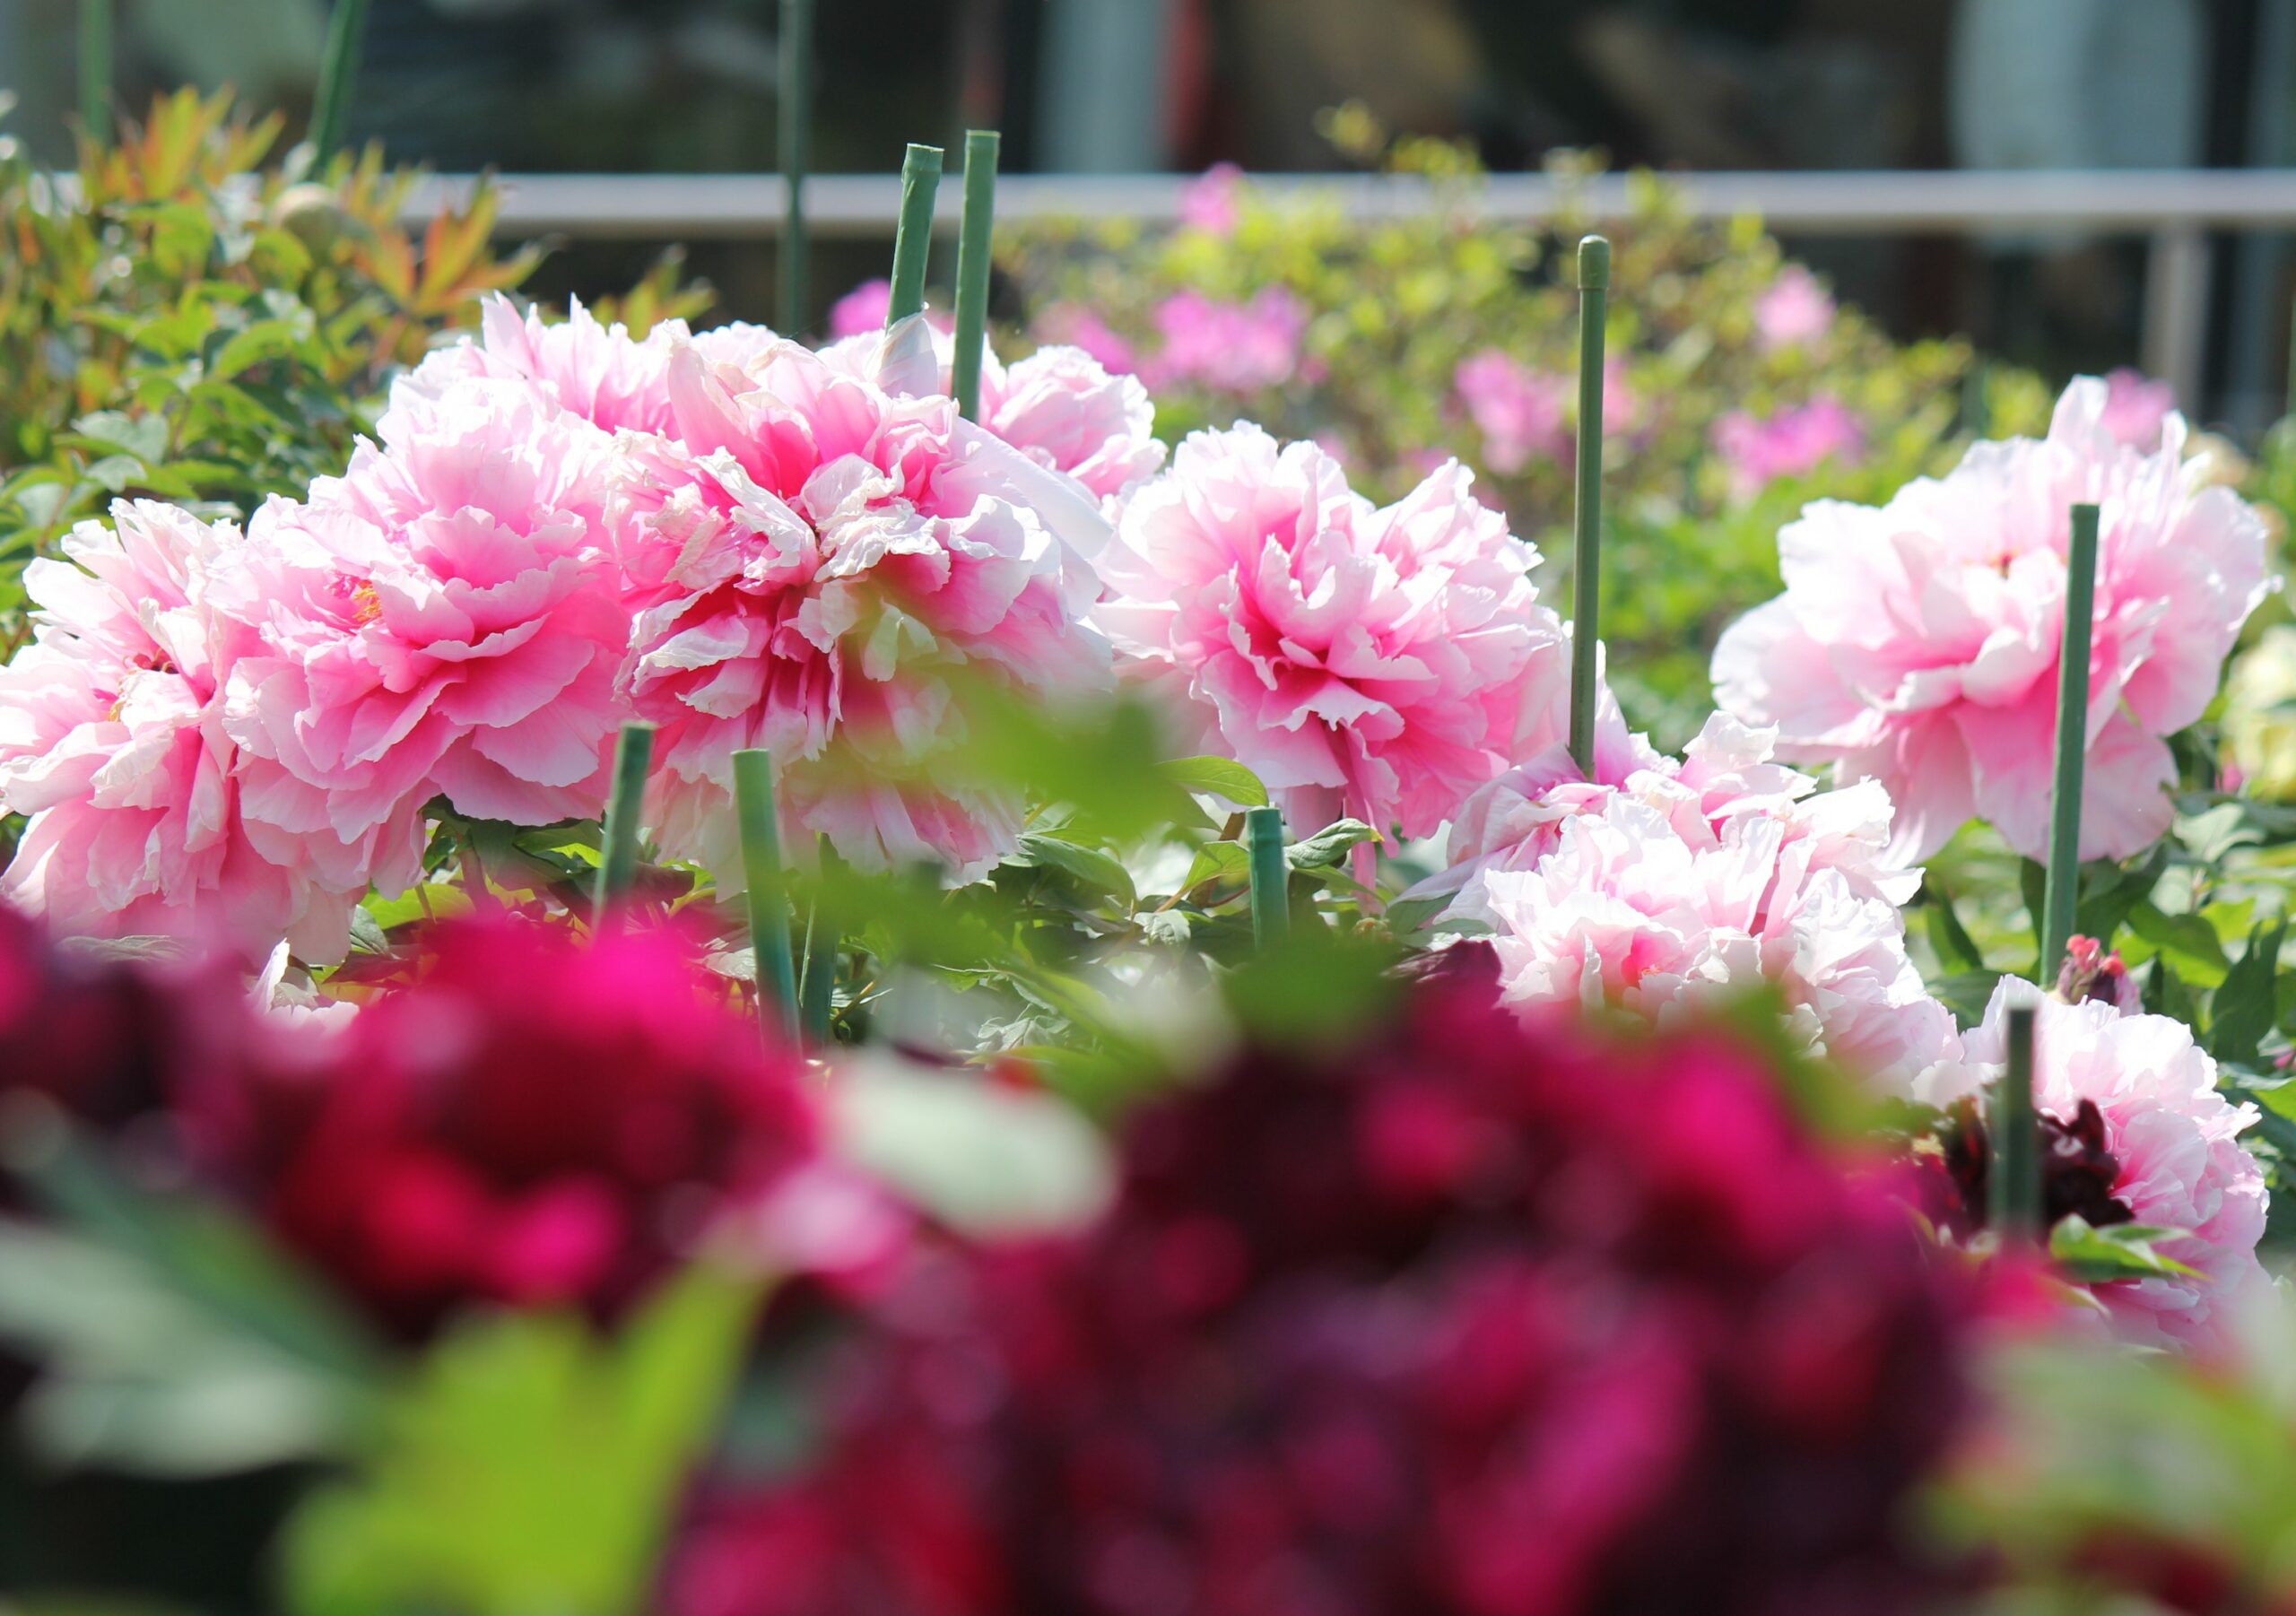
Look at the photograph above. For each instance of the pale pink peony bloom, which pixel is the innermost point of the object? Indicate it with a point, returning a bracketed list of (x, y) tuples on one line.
[(1210, 201), (1916, 643), (1074, 325), (1375, 663), (1521, 413), (1058, 406), (1793, 311), (820, 564), (597, 372), (1793, 442), (2136, 408), (444, 619), (112, 743), (2177, 1139), (1646, 902), (861, 311), (1233, 348)]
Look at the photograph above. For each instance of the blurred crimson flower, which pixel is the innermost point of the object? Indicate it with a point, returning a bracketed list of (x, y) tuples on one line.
[(530, 1122), (1471, 1318)]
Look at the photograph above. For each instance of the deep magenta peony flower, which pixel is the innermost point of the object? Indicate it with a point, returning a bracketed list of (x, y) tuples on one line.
[(530, 1122), (113, 743), (445, 618), (1381, 662), (101, 1039), (2174, 1140), (1916, 643), (814, 560), (1469, 1320)]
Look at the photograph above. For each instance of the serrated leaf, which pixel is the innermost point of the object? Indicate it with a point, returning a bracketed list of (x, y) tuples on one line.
[(1217, 776), (1328, 846), (2119, 1251)]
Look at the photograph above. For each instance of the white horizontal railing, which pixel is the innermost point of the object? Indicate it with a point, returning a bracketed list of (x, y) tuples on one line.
[(729, 206)]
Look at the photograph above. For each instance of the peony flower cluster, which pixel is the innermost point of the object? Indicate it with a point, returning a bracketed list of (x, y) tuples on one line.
[(1663, 884), (2171, 1142), (1375, 662), (535, 1122), (1470, 1319), (1918, 644)]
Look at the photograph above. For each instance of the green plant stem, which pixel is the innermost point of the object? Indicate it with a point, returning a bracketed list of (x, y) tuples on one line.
[(920, 179), (96, 70), (768, 901), (816, 992), (1271, 879), (346, 31), (1587, 549), (2064, 886), (972, 269), (2015, 1210), (796, 143), (634, 755)]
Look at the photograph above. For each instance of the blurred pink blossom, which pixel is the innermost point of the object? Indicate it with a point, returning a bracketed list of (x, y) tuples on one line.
[(1790, 443), (1377, 663), (1916, 643), (443, 619), (1519, 411), (1075, 325), (862, 309), (1235, 348), (2175, 1140), (816, 561), (2136, 408), (1793, 311), (1208, 203), (112, 741)]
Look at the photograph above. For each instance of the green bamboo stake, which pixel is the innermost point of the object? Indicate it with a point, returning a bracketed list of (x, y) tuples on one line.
[(1586, 551), (346, 31), (796, 151), (95, 70), (634, 755), (767, 902), (817, 991), (1271, 898), (920, 177), (2016, 1212), (2064, 885), (972, 269)]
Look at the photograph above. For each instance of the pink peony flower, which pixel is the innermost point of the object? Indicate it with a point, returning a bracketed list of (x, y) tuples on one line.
[(1380, 662), (113, 744), (597, 372), (1791, 443), (1074, 325), (1234, 348), (862, 309), (443, 619), (2176, 1141), (1058, 406), (1653, 903), (2136, 409), (1520, 411), (1794, 310), (1916, 643), (1208, 203), (817, 562)]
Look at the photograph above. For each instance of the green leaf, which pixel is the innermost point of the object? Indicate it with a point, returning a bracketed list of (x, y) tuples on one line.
[(1091, 868), (1217, 776), (2242, 1011), (1956, 950), (1328, 846), (1218, 861), (2120, 1251), (528, 1466), (2186, 943), (986, 1160)]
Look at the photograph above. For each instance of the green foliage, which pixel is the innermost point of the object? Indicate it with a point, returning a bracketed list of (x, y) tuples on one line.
[(1394, 307), (528, 1466), (183, 319)]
